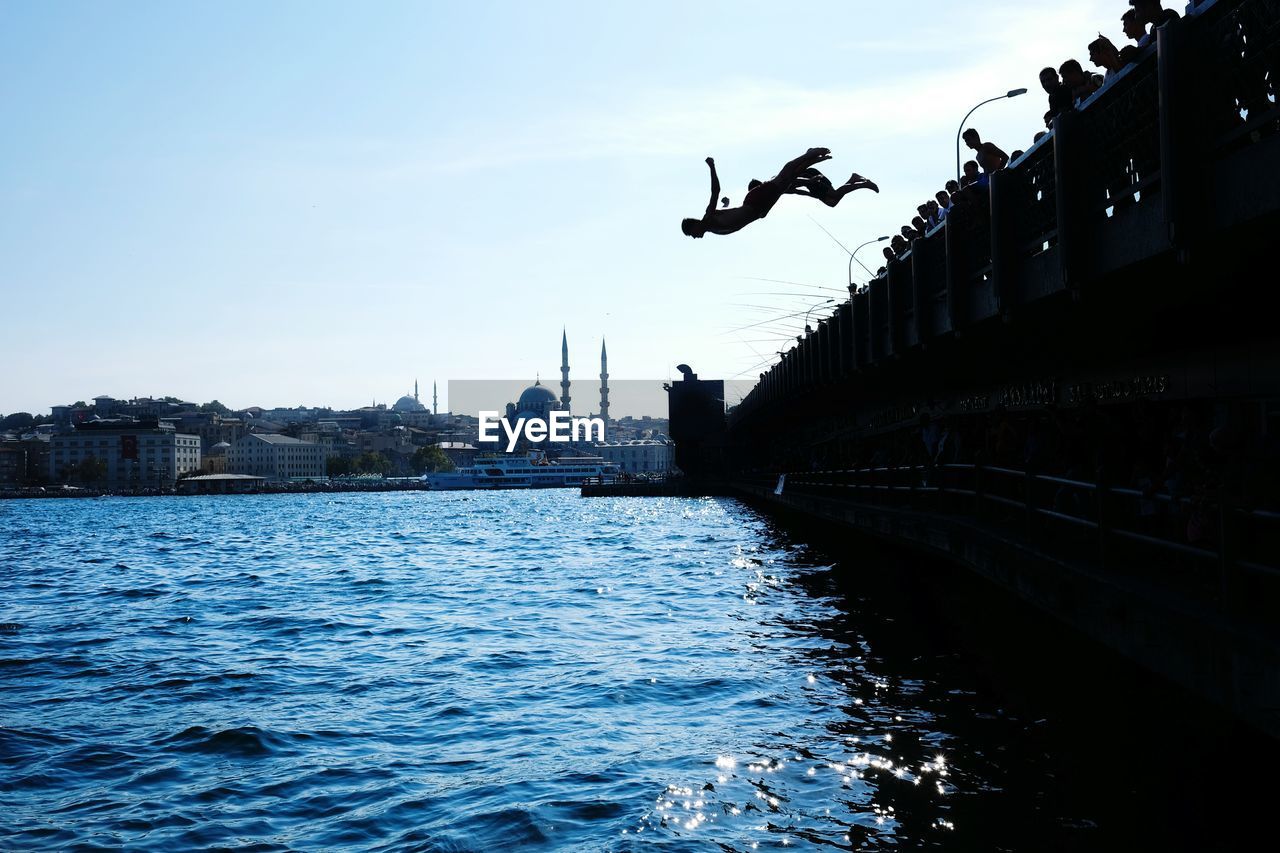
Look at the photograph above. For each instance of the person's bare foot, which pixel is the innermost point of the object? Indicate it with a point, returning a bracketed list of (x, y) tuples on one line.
[(858, 181)]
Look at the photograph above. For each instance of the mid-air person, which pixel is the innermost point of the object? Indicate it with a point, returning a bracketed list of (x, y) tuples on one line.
[(797, 177)]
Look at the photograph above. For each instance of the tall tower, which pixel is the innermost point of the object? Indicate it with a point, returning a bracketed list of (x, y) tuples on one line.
[(435, 399), (415, 391), (564, 371), (604, 386)]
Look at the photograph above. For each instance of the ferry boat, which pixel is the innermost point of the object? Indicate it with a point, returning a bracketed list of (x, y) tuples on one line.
[(529, 471)]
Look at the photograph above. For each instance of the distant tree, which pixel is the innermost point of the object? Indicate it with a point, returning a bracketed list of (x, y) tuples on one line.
[(18, 420), (79, 404), (338, 466), (215, 407), (373, 462), (171, 399), (429, 459)]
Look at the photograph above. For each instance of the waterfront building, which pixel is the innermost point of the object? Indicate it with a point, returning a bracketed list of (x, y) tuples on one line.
[(215, 460), (327, 434), (462, 454), (13, 464), (646, 456), (134, 454), (37, 449), (212, 428), (220, 484), (65, 417), (278, 458)]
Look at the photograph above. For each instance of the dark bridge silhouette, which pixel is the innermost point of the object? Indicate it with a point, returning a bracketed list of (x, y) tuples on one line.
[(1075, 392)]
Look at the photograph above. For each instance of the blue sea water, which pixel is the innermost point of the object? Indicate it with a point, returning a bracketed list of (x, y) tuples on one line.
[(480, 671)]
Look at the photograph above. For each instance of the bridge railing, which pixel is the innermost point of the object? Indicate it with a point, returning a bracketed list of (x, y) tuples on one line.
[(1203, 546), (1238, 58)]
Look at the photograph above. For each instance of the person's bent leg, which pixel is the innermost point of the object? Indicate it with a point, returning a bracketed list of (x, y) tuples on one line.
[(794, 168)]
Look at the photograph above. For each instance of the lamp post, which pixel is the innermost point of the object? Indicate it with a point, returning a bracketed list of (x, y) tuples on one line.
[(810, 311), (853, 256), (1012, 93)]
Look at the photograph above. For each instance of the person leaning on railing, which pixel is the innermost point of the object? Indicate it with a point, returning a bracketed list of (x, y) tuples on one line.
[(944, 203), (1136, 31), (1059, 94), (1082, 85), (1152, 12), (1103, 53)]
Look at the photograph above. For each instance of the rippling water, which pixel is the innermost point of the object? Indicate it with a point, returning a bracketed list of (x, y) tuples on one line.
[(468, 671)]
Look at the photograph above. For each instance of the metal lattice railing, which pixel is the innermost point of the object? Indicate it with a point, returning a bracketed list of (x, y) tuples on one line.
[(1038, 222), (1123, 129)]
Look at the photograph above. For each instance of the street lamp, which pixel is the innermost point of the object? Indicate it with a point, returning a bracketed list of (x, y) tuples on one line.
[(853, 256), (1012, 93), (810, 311)]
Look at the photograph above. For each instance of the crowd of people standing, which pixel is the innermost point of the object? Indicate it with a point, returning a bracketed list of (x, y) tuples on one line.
[(1067, 87)]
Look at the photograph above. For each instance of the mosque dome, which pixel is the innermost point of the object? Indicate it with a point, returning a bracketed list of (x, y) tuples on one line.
[(408, 404), (534, 397)]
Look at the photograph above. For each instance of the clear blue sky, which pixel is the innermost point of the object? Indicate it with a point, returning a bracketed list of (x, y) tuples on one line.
[(288, 203)]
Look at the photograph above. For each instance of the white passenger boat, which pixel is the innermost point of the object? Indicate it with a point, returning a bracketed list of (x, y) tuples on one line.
[(516, 471)]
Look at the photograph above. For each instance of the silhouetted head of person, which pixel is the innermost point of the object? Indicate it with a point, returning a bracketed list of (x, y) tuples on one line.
[(1048, 121), (693, 228), (1072, 73), (918, 223), (971, 170), (1148, 11), (943, 197), (1134, 28), (953, 187), (1015, 155), (922, 209), (932, 207), (899, 243), (972, 139), (888, 253), (1049, 80), (1041, 135), (1103, 53), (753, 183)]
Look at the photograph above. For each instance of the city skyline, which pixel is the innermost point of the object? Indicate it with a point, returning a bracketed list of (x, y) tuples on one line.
[(639, 398), (250, 189)]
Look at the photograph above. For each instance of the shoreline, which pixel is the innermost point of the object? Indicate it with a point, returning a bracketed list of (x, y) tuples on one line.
[(45, 492)]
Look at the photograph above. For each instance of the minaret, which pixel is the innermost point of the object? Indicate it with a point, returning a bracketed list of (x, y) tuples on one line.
[(435, 399), (604, 386), (415, 391), (564, 371)]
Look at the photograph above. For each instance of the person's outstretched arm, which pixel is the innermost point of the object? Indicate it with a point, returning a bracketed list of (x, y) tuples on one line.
[(715, 187)]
